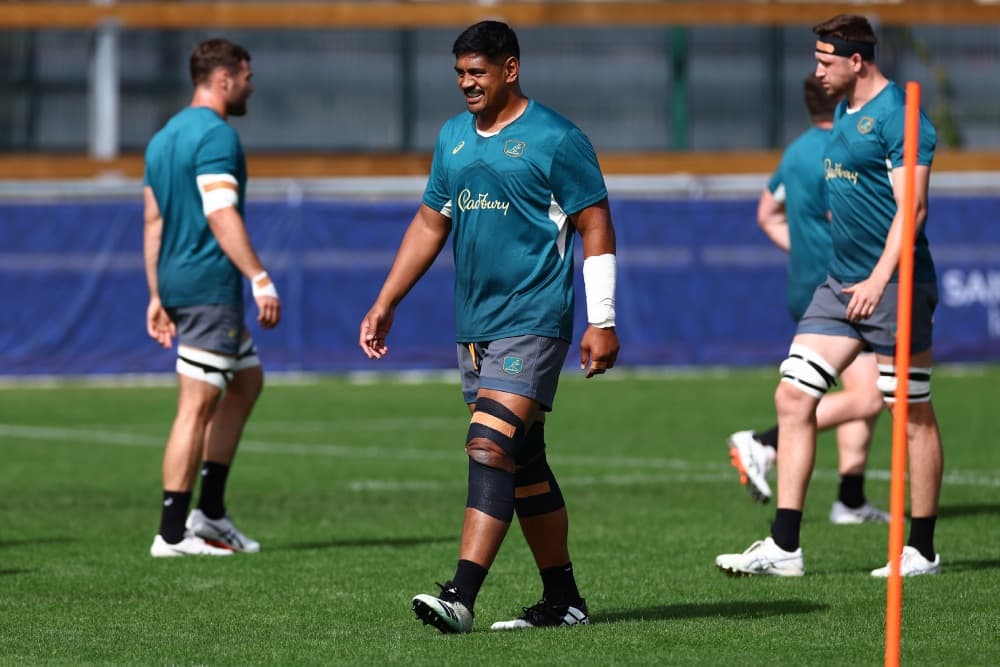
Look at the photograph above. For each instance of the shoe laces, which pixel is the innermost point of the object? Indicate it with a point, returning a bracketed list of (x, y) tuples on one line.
[(545, 612), (449, 593)]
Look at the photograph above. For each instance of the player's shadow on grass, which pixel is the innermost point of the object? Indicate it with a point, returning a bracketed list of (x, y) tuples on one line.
[(14, 570), (953, 511), (968, 564), (367, 542), (732, 610), (32, 541)]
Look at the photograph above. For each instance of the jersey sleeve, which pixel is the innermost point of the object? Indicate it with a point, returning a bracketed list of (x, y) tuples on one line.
[(436, 193), (893, 131), (576, 178), (776, 184), (218, 152)]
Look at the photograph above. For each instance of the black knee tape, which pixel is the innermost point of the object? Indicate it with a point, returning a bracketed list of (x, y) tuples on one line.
[(533, 447), (494, 422), (491, 487), (491, 491), (535, 488)]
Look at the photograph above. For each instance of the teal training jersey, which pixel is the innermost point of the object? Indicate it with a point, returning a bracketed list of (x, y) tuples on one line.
[(863, 149), (800, 183), (192, 269), (508, 197)]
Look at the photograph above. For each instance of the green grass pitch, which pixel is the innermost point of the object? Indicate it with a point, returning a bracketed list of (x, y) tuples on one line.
[(356, 492)]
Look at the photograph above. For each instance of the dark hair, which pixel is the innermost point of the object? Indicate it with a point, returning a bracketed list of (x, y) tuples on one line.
[(214, 53), (850, 27), (819, 103), (493, 39)]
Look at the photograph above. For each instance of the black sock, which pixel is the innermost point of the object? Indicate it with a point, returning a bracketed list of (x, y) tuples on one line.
[(922, 536), (785, 529), (468, 580), (559, 584), (213, 489), (173, 515), (768, 438), (852, 490)]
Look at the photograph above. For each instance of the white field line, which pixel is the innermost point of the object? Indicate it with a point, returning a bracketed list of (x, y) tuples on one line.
[(684, 471)]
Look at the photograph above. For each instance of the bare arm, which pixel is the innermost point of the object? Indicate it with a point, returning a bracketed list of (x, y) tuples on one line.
[(229, 230), (772, 220), (421, 244), (598, 346), (866, 294), (158, 325)]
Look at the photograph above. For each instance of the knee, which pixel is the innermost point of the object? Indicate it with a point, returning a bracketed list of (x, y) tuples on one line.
[(496, 435), (489, 454), (791, 403), (197, 410), (247, 384), (920, 416), (872, 404)]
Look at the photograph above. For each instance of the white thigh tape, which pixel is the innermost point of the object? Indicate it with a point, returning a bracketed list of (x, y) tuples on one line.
[(808, 371), (247, 357), (918, 389), (215, 369)]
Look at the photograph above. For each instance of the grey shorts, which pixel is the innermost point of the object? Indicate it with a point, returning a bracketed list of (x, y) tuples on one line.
[(523, 365), (217, 327), (827, 314)]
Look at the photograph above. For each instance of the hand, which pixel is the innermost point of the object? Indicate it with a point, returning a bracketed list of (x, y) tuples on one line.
[(599, 348), (268, 311), (265, 293), (158, 324), (374, 329), (865, 296)]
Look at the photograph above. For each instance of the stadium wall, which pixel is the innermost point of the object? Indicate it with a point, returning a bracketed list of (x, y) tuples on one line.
[(698, 283)]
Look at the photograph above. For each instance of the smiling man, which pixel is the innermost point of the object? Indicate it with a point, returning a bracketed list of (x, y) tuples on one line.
[(514, 182)]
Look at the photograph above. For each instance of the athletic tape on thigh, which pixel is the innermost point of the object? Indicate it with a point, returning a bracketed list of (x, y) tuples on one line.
[(917, 391), (496, 423), (808, 371), (247, 356), (535, 488), (215, 369)]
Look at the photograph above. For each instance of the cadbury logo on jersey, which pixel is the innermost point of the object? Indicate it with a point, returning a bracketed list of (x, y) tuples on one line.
[(836, 171), (470, 202)]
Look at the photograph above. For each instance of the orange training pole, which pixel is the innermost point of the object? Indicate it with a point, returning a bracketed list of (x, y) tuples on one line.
[(897, 494)]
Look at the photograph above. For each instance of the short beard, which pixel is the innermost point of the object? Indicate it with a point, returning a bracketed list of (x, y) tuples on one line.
[(238, 108)]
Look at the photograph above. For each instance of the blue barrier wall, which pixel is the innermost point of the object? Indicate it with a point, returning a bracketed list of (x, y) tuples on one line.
[(698, 285)]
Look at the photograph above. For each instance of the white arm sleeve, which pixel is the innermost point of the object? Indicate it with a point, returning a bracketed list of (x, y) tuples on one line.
[(599, 277), (218, 191)]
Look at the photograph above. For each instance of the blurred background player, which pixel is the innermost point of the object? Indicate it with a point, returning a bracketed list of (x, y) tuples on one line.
[(513, 181), (196, 251), (857, 305), (793, 213)]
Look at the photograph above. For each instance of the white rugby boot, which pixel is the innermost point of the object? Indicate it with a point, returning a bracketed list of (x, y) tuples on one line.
[(753, 460), (220, 532), (763, 557)]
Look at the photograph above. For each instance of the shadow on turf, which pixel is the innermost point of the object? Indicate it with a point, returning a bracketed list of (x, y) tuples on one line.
[(37, 540), (21, 570), (711, 610), (962, 565), (952, 511), (367, 542)]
